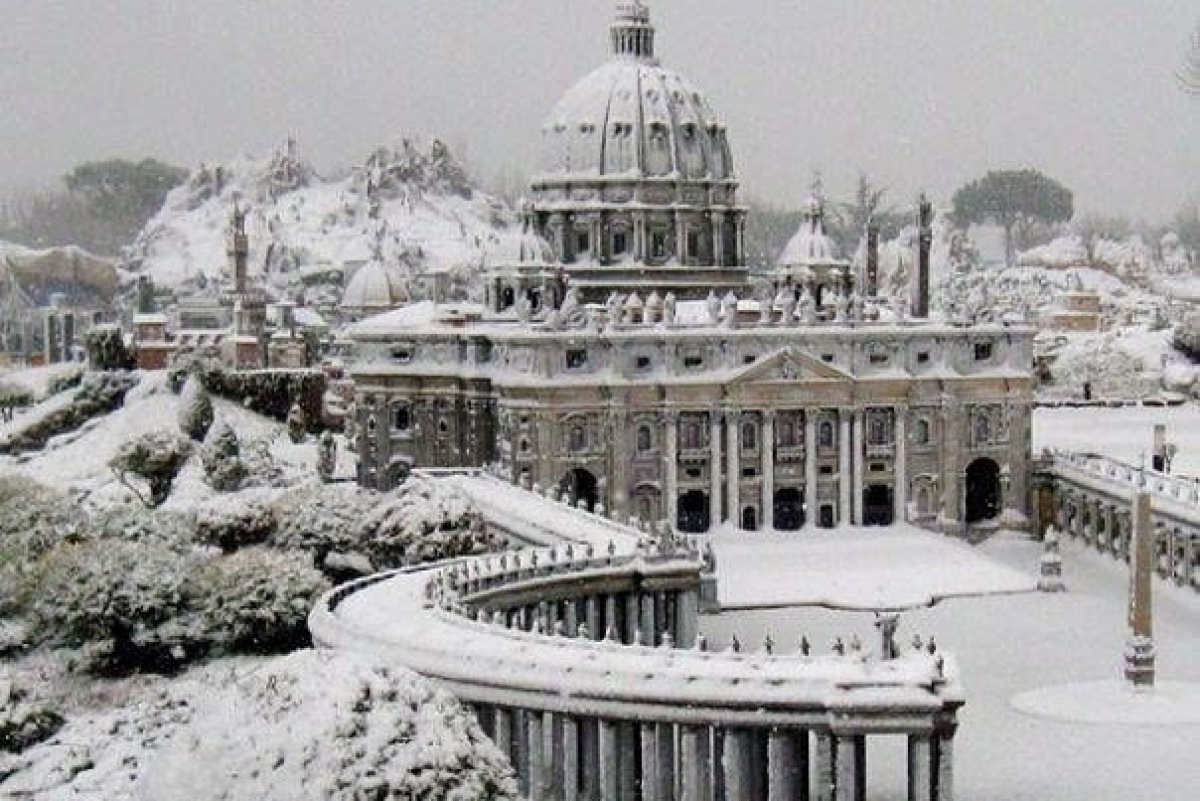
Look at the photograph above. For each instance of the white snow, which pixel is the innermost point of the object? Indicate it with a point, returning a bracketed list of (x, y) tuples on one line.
[(855, 568), (1126, 433), (1167, 703)]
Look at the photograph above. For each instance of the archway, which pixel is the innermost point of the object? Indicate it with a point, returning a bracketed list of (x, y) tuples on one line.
[(877, 505), (749, 519), (692, 512), (579, 485), (982, 490), (789, 509)]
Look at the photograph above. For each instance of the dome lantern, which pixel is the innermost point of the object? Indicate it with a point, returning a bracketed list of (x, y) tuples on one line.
[(631, 32)]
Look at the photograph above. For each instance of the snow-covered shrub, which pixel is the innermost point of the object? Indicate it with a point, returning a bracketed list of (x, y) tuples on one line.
[(14, 395), (320, 518), (230, 526), (174, 530), (125, 603), (297, 423), (33, 517), (257, 599), (334, 726), (98, 393), (63, 381), (221, 456), (106, 348), (157, 457), (1187, 336), (421, 521), (23, 721), (195, 410)]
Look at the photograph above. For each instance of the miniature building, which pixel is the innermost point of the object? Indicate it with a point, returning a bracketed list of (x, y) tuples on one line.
[(1079, 310), (647, 374)]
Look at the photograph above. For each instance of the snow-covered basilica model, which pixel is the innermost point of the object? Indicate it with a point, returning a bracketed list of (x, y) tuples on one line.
[(626, 357)]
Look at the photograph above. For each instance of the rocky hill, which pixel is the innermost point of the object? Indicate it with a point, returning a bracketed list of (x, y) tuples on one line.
[(411, 205), (82, 278)]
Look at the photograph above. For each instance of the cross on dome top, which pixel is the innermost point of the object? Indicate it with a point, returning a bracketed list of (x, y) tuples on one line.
[(631, 31)]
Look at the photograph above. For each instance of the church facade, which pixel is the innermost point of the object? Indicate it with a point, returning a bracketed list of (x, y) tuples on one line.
[(631, 362)]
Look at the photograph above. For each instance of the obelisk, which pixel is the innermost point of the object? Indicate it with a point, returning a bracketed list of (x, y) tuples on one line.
[(1139, 648)]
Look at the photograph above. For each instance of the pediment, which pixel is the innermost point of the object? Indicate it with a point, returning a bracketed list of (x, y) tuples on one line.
[(790, 365)]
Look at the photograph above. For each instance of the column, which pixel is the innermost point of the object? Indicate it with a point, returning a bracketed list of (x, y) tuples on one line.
[(665, 752), (681, 254), (920, 779), (825, 778), (735, 761), (649, 618), (844, 509), (589, 757), (811, 509), (850, 773), (944, 767), (767, 443), (651, 787), (539, 776), (592, 616), (900, 466), (741, 238), (629, 747), (571, 617), (609, 767), (856, 455), (718, 238), (787, 768), (695, 781), (687, 615), (671, 455), (714, 460), (610, 617), (503, 736), (733, 471), (568, 773), (618, 499), (632, 617)]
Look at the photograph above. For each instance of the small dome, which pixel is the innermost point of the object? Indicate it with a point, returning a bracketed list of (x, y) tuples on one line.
[(374, 288), (811, 245), (633, 117), (524, 248)]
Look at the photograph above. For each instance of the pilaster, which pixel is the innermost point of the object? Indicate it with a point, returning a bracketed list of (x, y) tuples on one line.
[(767, 445)]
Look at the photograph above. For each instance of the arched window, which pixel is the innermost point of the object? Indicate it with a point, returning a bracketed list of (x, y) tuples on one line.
[(825, 435), (691, 436), (877, 429), (645, 440), (401, 418), (983, 429)]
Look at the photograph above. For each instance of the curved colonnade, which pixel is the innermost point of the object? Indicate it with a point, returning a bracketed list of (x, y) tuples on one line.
[(1091, 499), (586, 669)]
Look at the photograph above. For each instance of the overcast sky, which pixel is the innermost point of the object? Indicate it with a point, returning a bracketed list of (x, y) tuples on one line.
[(916, 93)]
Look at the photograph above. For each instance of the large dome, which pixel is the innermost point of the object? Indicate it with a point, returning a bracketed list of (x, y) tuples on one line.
[(374, 288), (633, 117)]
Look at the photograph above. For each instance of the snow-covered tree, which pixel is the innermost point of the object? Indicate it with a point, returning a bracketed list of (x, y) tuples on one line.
[(422, 521), (195, 409), (257, 599), (156, 457), (1013, 199), (334, 726), (24, 721), (106, 348), (230, 526), (221, 456)]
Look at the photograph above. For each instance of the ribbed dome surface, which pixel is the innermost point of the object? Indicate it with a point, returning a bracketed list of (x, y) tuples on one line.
[(810, 245), (374, 288), (633, 117)]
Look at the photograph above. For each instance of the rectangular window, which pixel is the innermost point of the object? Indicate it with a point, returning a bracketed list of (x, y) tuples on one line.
[(692, 360), (826, 470), (922, 357), (576, 358), (402, 354), (583, 242), (749, 472), (620, 243), (879, 358), (694, 472), (827, 358), (401, 418), (642, 362), (749, 358), (878, 467), (983, 351), (693, 243), (658, 245)]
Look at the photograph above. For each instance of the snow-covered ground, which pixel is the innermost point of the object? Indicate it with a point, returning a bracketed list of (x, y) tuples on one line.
[(855, 568), (1125, 433), (1011, 644)]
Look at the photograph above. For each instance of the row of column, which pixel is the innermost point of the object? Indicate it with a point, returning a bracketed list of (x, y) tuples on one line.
[(564, 757), (724, 491), (642, 617)]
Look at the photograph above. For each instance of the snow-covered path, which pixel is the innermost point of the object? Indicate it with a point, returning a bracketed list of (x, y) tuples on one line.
[(1010, 644)]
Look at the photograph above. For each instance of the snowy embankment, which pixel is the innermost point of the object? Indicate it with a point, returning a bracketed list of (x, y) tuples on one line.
[(1126, 433), (311, 725)]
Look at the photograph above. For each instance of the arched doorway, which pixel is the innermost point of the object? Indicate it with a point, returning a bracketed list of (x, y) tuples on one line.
[(789, 509), (877, 505), (982, 490), (579, 485), (692, 512)]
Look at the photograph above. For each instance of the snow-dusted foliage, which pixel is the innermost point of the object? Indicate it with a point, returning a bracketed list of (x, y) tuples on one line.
[(33, 517), (332, 726), (1117, 364), (98, 394), (422, 521), (121, 602), (106, 348), (156, 457), (24, 721), (195, 409), (257, 599), (230, 526), (321, 518), (221, 457), (1187, 336)]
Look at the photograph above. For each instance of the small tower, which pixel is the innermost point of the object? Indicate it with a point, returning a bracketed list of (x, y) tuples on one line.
[(239, 248), (920, 307), (631, 32)]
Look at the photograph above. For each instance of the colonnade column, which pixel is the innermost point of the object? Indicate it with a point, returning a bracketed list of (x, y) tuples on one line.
[(787, 765), (810, 468), (681, 253), (767, 445), (900, 466), (714, 460), (944, 766), (671, 455), (539, 775), (609, 767), (618, 447), (736, 764), (920, 764), (733, 501), (718, 238), (826, 757), (568, 774), (844, 478), (851, 768), (695, 781), (856, 455)]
